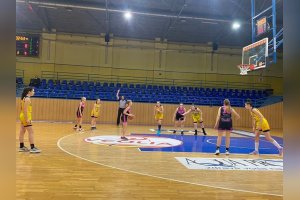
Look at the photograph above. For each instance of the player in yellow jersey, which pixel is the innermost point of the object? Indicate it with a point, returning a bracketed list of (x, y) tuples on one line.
[(158, 115), (260, 124), (95, 113), (197, 118), (25, 118)]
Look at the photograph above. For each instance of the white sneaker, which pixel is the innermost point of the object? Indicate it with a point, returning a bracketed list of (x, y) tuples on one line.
[(227, 153), (23, 149), (254, 153), (217, 152), (35, 150)]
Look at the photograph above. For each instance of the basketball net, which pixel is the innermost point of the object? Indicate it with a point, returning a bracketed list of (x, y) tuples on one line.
[(244, 68)]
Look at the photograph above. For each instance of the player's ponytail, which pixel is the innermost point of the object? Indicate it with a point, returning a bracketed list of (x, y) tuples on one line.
[(26, 91), (227, 103)]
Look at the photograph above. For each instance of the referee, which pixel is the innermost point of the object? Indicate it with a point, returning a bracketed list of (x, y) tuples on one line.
[(122, 103)]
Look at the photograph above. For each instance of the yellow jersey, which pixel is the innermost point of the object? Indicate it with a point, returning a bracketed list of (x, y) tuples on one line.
[(159, 113), (261, 126), (22, 114), (96, 110), (196, 115)]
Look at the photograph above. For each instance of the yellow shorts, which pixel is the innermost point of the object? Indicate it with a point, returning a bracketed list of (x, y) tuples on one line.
[(95, 114), (159, 116), (196, 118), (23, 121), (265, 127)]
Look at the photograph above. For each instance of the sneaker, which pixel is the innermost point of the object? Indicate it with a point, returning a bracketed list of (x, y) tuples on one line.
[(35, 150), (196, 132), (124, 138), (204, 133), (254, 153), (174, 131), (181, 132), (217, 152), (227, 152), (280, 151), (23, 149)]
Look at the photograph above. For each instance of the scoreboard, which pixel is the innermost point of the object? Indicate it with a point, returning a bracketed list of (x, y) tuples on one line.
[(27, 45), (261, 26)]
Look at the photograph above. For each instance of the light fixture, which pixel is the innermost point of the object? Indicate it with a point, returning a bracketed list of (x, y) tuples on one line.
[(127, 15), (236, 25)]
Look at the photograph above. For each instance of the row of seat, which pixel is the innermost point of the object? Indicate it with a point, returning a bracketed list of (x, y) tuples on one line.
[(64, 84), (164, 98), (153, 89), (147, 93), (156, 94)]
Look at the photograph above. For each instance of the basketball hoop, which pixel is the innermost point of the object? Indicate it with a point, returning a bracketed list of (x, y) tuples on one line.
[(244, 68)]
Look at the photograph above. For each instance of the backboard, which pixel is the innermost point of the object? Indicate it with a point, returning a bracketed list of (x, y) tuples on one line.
[(256, 54)]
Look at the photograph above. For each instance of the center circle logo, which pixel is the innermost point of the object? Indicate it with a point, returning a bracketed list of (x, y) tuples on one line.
[(134, 141)]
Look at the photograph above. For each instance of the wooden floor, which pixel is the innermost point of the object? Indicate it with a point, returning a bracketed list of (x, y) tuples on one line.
[(69, 168)]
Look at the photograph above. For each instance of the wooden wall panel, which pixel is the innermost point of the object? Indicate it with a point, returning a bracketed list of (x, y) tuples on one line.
[(65, 110)]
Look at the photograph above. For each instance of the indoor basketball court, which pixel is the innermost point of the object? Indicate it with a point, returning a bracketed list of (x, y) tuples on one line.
[(128, 99)]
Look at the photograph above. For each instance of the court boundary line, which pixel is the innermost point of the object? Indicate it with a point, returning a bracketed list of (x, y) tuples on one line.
[(153, 176)]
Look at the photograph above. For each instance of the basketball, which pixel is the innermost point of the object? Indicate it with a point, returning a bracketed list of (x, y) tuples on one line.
[(130, 117)]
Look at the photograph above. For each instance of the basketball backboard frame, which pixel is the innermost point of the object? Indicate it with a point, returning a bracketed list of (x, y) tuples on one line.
[(256, 54)]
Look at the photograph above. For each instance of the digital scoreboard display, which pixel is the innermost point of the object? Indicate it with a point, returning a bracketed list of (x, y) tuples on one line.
[(261, 26), (27, 45)]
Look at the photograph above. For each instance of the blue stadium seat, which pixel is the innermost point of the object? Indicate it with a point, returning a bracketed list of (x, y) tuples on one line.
[(57, 82), (57, 87), (78, 87), (98, 83), (91, 83)]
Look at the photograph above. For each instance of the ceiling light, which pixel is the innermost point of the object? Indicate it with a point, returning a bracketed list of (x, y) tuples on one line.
[(236, 25), (127, 15)]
